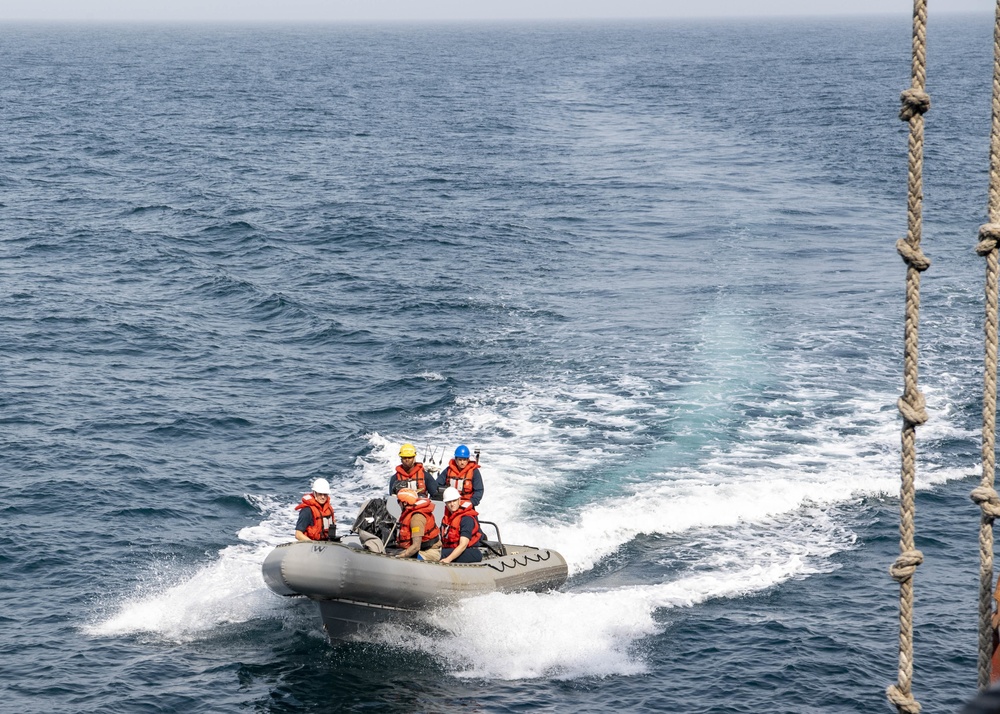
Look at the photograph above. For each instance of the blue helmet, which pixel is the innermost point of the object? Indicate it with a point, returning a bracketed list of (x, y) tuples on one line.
[(462, 452)]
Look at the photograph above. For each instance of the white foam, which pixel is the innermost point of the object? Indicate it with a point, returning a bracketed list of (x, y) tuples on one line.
[(526, 635), (779, 464), (228, 590), (572, 466), (432, 376), (181, 606), (567, 635)]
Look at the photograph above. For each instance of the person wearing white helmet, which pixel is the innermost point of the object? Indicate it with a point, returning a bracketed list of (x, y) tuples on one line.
[(460, 532), (316, 519), (410, 474)]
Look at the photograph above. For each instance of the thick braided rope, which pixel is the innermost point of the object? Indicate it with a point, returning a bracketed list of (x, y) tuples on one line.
[(911, 405), (984, 494)]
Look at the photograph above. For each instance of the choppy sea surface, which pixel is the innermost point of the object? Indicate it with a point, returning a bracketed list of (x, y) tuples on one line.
[(648, 269)]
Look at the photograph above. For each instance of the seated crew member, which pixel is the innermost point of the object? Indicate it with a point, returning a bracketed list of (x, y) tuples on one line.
[(418, 533), (463, 475), (460, 532), (410, 474), (316, 520)]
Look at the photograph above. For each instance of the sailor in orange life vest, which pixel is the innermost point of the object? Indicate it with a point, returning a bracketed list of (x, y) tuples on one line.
[(418, 533), (316, 521), (410, 474), (460, 532), (463, 475)]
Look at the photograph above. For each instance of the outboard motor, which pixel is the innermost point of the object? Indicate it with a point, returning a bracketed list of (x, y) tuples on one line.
[(375, 526)]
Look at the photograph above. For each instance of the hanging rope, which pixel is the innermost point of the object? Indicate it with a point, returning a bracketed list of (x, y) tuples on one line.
[(911, 405), (985, 495)]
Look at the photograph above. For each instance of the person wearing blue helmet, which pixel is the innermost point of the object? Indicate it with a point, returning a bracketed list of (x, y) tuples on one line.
[(463, 475)]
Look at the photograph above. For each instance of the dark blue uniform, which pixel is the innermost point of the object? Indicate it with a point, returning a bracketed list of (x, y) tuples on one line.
[(472, 554)]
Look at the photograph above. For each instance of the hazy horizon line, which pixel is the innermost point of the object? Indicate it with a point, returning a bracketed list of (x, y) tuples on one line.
[(460, 20)]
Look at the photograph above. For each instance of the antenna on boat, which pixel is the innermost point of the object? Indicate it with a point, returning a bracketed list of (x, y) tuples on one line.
[(476, 452), (429, 457)]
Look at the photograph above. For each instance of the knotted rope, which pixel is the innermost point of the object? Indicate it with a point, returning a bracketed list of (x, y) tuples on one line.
[(911, 405), (984, 494)]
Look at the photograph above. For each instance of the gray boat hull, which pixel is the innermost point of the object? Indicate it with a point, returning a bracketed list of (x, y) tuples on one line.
[(356, 588)]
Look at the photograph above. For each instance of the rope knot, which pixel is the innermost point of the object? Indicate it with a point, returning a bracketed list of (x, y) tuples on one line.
[(913, 407), (913, 257), (989, 236), (915, 101), (906, 565), (905, 703), (988, 500)]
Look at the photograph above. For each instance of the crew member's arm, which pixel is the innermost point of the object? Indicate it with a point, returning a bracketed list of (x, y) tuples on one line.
[(463, 543), (442, 479), (417, 524), (305, 520), (477, 487), (466, 527), (430, 481)]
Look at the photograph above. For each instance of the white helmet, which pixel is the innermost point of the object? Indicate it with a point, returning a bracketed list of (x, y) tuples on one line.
[(451, 494), (321, 485)]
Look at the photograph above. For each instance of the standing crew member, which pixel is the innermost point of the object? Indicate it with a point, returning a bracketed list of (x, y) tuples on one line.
[(410, 474), (418, 533), (316, 521), (460, 532), (463, 475)]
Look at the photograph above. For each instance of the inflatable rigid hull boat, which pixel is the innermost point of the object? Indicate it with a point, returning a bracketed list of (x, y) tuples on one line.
[(358, 582)]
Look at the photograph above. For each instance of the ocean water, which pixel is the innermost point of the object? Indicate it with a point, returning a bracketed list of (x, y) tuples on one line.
[(648, 269)]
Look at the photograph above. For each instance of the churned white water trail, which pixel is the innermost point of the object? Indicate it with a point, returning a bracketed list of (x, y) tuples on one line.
[(540, 475), (739, 517), (566, 635), (744, 515)]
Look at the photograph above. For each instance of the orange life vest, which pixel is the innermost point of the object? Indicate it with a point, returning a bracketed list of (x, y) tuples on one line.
[(461, 479), (412, 479), (452, 526), (426, 507), (323, 518)]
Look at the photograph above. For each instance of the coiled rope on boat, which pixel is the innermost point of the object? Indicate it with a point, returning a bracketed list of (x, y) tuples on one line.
[(911, 405), (985, 495), (528, 558)]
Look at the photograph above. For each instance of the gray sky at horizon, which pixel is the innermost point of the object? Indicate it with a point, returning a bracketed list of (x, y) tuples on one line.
[(445, 10)]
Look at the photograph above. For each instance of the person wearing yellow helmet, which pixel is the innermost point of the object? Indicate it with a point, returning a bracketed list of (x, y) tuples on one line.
[(410, 474)]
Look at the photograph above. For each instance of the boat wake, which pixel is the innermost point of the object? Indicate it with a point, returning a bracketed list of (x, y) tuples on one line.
[(653, 536)]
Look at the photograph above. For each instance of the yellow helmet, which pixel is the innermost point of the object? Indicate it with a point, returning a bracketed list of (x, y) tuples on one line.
[(407, 450)]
